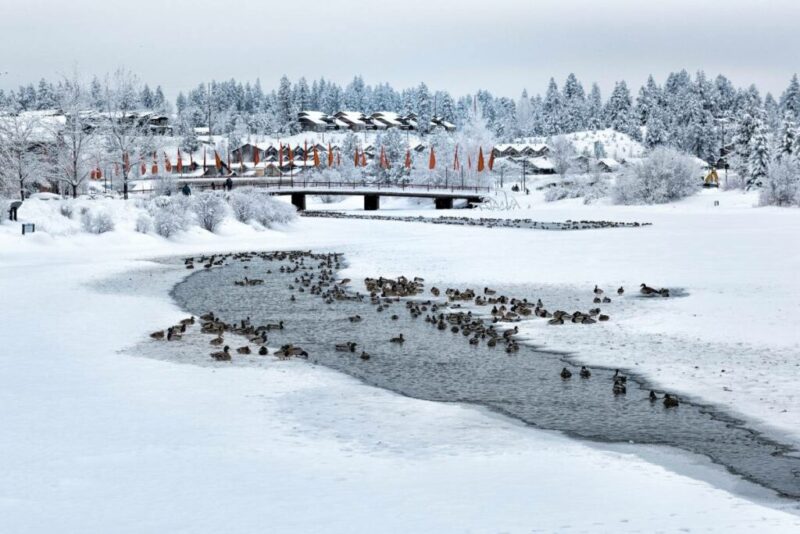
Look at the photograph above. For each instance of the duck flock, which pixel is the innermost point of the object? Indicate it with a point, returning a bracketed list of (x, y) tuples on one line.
[(315, 273), (483, 221)]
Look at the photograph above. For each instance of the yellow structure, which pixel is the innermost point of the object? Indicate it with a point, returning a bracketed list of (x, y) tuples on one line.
[(712, 179)]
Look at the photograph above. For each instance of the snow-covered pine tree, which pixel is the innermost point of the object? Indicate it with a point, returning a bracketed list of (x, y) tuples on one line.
[(524, 114), (787, 139), (354, 95), (790, 99), (648, 101), (656, 134), (424, 109), (594, 109), (758, 162), (574, 105), (146, 97), (619, 111), (285, 107), (552, 110)]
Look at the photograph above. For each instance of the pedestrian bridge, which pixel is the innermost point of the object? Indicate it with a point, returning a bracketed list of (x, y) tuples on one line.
[(442, 195)]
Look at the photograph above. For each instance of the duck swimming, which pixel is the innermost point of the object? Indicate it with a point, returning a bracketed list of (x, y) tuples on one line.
[(398, 339), (585, 373), (653, 397), (346, 347), (263, 351), (243, 350), (619, 388), (566, 373), (670, 402)]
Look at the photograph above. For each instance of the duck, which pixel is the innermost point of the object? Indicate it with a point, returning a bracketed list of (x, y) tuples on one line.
[(670, 401), (619, 388), (223, 356), (653, 397), (157, 335), (395, 317), (217, 341), (644, 289), (487, 291), (474, 340), (620, 291), (597, 290), (346, 347), (263, 351), (398, 339), (597, 300), (566, 373), (354, 318), (602, 317), (435, 291), (585, 373), (618, 377), (364, 356), (606, 300), (172, 335), (188, 321), (243, 350), (275, 326)]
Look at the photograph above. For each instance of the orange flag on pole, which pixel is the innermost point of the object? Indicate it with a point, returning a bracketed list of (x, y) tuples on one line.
[(217, 161), (143, 168), (432, 160), (280, 155), (491, 160), (154, 167), (167, 163), (256, 156), (469, 162), (480, 159), (355, 158), (330, 156), (408, 158), (363, 159), (316, 157), (384, 161), (180, 162), (456, 163)]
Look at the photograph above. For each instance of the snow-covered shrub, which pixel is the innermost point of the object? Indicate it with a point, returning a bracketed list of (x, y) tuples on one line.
[(270, 211), (210, 209), (781, 186), (243, 204), (330, 175), (170, 214), (590, 188), (664, 176), (144, 223), (67, 209), (96, 220), (164, 184)]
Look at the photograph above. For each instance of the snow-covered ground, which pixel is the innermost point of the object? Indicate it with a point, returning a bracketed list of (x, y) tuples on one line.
[(97, 439)]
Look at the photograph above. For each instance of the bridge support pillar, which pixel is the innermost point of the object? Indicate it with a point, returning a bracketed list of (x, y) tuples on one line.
[(372, 202), (443, 203), (299, 201)]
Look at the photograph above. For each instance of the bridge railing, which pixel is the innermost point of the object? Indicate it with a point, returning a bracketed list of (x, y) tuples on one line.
[(289, 183)]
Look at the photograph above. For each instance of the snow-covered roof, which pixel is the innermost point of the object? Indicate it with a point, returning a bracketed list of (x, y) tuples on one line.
[(609, 162), (541, 163)]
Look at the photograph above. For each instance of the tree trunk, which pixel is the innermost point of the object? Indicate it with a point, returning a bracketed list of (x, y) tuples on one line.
[(74, 191), (125, 189)]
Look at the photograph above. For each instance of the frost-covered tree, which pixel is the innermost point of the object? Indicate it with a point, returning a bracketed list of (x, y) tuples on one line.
[(562, 154), (424, 109), (619, 111), (285, 112), (354, 95), (781, 185), (664, 176), (210, 209), (790, 100), (648, 101), (656, 134), (574, 105), (787, 139), (122, 133), (76, 151), (758, 162), (552, 110), (21, 162), (594, 109)]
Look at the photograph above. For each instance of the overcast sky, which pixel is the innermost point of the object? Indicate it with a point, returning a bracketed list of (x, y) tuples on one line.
[(461, 45)]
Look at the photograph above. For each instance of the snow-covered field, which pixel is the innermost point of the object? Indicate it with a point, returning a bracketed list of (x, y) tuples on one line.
[(97, 439)]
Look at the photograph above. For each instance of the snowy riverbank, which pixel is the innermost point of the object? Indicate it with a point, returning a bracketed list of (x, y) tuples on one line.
[(98, 440)]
